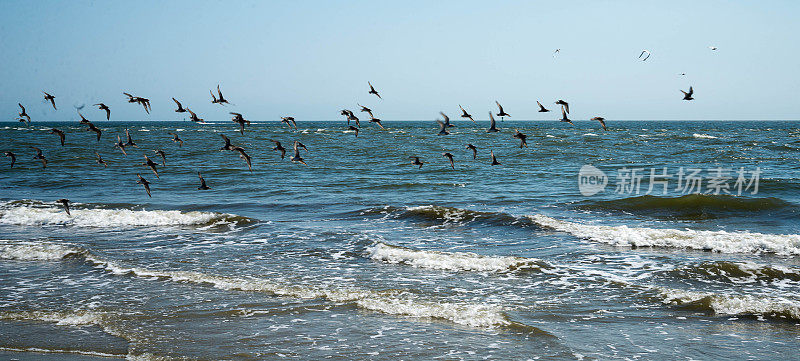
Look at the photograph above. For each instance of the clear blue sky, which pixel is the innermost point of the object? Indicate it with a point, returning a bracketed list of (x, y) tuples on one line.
[(310, 59)]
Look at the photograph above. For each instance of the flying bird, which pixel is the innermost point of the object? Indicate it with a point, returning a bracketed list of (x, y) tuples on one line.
[(442, 128), (180, 107), (23, 115), (194, 117), (83, 119), (65, 203), (92, 128), (643, 54), (494, 159), (416, 162), (163, 156), (602, 121), (355, 129), (60, 134), (556, 52), (474, 151), (464, 114), (48, 97), (203, 186), (372, 119), (688, 96), (712, 47), (130, 140), (365, 109), (563, 104), (100, 160), (145, 183), (492, 124), (522, 138), (279, 147), (220, 99), (290, 122), (449, 156), (542, 109), (102, 106), (214, 99), (373, 91), (149, 162), (177, 139), (239, 119), (13, 157), (564, 117), (144, 102), (446, 120), (502, 113), (296, 157), (228, 145), (244, 156), (39, 156), (121, 145)]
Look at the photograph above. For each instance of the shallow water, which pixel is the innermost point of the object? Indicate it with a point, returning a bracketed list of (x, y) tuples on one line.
[(360, 255)]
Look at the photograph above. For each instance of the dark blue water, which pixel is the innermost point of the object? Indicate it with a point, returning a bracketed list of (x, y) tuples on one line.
[(361, 255)]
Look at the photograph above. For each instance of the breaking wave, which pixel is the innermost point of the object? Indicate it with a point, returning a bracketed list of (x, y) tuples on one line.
[(29, 251), (716, 241), (738, 272), (452, 261), (693, 206), (727, 304), (704, 136), (448, 215)]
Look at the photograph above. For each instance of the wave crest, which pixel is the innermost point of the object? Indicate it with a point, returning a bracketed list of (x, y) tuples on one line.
[(692, 206), (724, 304), (452, 261)]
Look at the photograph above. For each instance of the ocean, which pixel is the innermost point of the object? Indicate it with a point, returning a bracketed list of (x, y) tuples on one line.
[(654, 240)]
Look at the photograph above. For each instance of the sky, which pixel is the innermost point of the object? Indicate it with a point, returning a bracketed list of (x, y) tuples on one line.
[(310, 59)]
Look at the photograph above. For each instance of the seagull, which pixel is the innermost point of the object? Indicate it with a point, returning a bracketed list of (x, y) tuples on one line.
[(355, 129), (290, 122), (180, 107), (602, 121), (194, 117), (688, 96), (492, 124), (442, 128), (416, 162), (296, 157), (464, 114), (23, 114), (149, 162), (642, 54), (102, 106), (244, 156), (279, 148), (522, 138), (119, 144), (51, 99), (446, 120), (64, 202), (564, 117), (213, 97), (712, 47), (351, 116), (100, 160), (130, 140), (93, 128), (145, 183), (301, 145), (449, 156), (13, 157), (494, 160), (376, 120), (346, 114), (563, 104), (502, 113), (542, 109), (60, 134), (373, 91), (474, 150), (39, 156), (163, 156), (365, 109), (177, 139), (239, 119), (556, 52), (203, 185), (144, 102), (228, 145), (220, 99), (83, 119)]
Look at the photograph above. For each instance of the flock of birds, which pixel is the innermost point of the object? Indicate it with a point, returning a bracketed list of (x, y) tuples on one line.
[(239, 119)]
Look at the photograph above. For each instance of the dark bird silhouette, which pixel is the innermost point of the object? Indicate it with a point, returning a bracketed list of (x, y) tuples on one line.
[(492, 124), (416, 162), (346, 114), (494, 159), (144, 102), (60, 134), (244, 156), (290, 122), (442, 128), (376, 121), (643, 53), (239, 119), (102, 106), (163, 156), (502, 114), (365, 109), (121, 145), (563, 104), (39, 156), (100, 160), (220, 99), (446, 120), (542, 109), (145, 183), (228, 145), (522, 138), (180, 107), (177, 139), (279, 148), (296, 157), (65, 203), (350, 116), (602, 121), (149, 162), (203, 186), (48, 97), (464, 114), (23, 115), (474, 151), (686, 96), (214, 99), (564, 117), (373, 91), (13, 157), (449, 157), (130, 141), (355, 129), (91, 127), (194, 117), (83, 119)]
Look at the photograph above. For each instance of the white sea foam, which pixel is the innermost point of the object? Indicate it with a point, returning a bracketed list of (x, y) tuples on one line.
[(452, 261), (727, 304), (590, 135), (703, 136), (717, 241), (59, 318), (28, 251), (41, 214), (76, 352)]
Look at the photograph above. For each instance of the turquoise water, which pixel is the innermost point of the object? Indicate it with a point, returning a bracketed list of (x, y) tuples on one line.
[(361, 255)]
